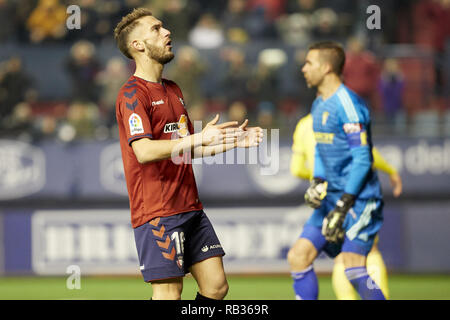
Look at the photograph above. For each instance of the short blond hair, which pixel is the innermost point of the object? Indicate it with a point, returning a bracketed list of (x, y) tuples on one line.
[(125, 26)]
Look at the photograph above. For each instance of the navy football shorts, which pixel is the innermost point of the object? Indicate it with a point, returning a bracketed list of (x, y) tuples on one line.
[(168, 246)]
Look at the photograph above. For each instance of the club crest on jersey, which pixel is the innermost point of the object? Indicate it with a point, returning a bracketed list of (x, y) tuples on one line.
[(136, 126), (325, 117), (181, 127)]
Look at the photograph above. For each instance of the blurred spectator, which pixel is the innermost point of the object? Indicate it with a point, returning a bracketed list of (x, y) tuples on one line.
[(47, 21), (326, 24), (15, 85), (83, 68), (215, 7), (23, 10), (83, 118), (187, 70), (47, 127), (236, 76), (90, 18), (105, 14), (235, 22), (272, 8), (265, 82), (110, 81), (207, 34), (265, 118), (303, 6), (348, 12), (6, 17), (361, 70), (237, 112), (19, 124), (391, 87), (178, 17), (432, 29), (197, 112), (259, 26), (295, 28)]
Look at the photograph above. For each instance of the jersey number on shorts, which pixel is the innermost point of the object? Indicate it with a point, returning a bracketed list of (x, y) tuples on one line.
[(179, 241)]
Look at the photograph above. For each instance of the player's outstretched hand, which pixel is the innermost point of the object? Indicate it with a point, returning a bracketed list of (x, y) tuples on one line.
[(249, 136), (316, 193), (332, 226), (216, 134)]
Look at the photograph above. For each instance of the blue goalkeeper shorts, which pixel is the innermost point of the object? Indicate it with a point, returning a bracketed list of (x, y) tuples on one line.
[(361, 225)]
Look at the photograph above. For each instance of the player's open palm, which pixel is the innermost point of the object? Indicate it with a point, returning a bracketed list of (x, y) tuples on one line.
[(216, 134), (249, 136)]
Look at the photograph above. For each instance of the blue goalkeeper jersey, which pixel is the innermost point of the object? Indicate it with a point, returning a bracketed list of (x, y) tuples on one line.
[(343, 154)]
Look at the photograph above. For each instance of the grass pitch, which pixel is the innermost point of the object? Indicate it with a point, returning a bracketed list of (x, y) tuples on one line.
[(417, 287)]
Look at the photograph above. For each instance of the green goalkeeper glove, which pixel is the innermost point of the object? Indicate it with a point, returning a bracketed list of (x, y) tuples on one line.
[(332, 228), (316, 192)]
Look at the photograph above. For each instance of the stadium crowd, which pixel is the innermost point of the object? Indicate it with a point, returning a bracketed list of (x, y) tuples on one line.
[(236, 57)]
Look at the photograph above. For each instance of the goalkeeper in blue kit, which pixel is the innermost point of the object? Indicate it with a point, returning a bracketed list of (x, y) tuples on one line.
[(345, 191)]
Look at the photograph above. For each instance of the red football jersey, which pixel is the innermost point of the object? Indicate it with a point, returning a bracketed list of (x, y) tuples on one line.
[(152, 110)]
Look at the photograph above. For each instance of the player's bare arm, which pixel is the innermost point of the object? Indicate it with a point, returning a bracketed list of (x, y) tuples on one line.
[(147, 150)]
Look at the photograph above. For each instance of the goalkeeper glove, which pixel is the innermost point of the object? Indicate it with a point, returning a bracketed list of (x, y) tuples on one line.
[(316, 192), (332, 228)]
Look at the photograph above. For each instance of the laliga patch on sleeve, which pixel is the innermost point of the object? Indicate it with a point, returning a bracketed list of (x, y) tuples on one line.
[(136, 126)]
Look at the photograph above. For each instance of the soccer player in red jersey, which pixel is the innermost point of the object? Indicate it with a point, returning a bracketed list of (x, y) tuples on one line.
[(173, 235)]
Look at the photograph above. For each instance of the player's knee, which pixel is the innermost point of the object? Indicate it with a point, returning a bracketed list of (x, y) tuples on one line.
[(223, 290), (299, 258), (216, 291)]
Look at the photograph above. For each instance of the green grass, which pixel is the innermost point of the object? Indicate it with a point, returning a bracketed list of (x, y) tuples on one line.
[(241, 288)]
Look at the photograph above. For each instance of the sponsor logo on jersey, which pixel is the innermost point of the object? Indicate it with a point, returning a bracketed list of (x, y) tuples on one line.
[(182, 102), (215, 246), (136, 126), (180, 127), (171, 127), (352, 127), (205, 248), (324, 137), (157, 103)]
